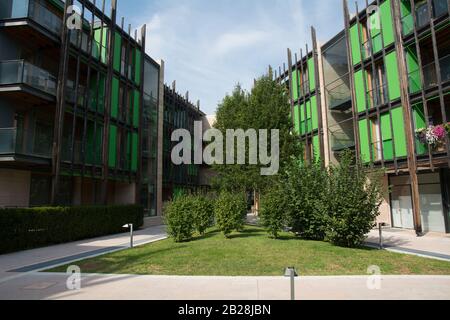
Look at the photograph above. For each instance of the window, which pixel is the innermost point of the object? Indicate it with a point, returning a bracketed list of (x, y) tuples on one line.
[(376, 86), (376, 139)]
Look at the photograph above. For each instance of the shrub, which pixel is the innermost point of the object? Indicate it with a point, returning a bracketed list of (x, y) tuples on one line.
[(22, 229), (355, 197), (203, 212), (230, 211), (306, 187), (179, 218), (273, 210)]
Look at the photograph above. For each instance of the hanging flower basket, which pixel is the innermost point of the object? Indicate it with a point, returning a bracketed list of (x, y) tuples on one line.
[(434, 136)]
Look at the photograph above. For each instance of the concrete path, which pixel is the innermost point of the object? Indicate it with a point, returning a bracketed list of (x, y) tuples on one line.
[(15, 264), (435, 246), (114, 287)]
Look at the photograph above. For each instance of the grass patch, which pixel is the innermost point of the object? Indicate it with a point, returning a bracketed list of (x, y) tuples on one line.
[(252, 253)]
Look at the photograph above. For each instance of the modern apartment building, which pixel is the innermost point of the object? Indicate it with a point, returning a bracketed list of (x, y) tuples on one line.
[(81, 108), (380, 82), (179, 113)]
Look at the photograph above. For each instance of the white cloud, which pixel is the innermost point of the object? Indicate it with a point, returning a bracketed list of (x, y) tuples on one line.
[(231, 41)]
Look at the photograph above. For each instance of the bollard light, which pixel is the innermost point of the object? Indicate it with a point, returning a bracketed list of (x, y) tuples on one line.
[(380, 230), (130, 225), (292, 274)]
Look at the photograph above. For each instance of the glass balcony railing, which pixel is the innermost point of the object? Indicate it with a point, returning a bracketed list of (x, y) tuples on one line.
[(20, 142), (377, 96), (22, 72), (338, 92), (429, 75), (342, 136), (32, 9)]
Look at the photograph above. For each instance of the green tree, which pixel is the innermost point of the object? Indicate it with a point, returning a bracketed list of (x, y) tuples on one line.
[(265, 107), (355, 196), (230, 210)]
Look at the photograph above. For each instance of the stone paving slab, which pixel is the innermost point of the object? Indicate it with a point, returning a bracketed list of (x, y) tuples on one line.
[(45, 286)]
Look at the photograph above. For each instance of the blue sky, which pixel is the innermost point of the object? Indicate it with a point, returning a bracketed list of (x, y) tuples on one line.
[(210, 45)]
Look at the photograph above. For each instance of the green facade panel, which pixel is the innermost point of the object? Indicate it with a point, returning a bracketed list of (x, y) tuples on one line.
[(355, 44), (412, 63), (386, 135), (392, 76), (112, 150), (137, 66), (360, 92), (134, 152), (316, 148), (117, 51), (387, 23), (364, 141), (314, 113), (136, 109), (297, 119), (419, 123), (295, 85), (115, 98), (375, 32), (399, 132), (311, 74)]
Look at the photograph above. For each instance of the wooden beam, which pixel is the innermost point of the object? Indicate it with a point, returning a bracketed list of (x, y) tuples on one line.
[(409, 129), (60, 105)]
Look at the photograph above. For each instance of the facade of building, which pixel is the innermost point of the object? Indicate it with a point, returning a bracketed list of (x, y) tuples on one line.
[(380, 81), (179, 113), (81, 108)]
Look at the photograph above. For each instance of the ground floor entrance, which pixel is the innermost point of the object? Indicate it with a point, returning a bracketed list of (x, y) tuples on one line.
[(434, 201)]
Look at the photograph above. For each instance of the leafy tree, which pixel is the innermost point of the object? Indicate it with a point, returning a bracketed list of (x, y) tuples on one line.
[(203, 212), (273, 213), (306, 187), (230, 210), (180, 219), (265, 107), (355, 197)]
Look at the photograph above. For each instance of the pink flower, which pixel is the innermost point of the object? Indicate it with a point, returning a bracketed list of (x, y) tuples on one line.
[(439, 132)]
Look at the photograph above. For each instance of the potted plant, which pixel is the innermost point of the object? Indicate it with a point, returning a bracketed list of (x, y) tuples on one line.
[(434, 136)]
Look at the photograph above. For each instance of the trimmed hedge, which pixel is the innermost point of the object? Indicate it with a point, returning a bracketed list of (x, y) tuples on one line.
[(22, 229)]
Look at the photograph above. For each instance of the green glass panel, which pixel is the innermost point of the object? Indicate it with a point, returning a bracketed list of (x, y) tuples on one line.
[(392, 76), (137, 61), (399, 132), (117, 51), (360, 92), (420, 123), (297, 119), (311, 74), (315, 113), (295, 85), (364, 141), (112, 146), (412, 62), (136, 109), (387, 22), (386, 135), (316, 148), (134, 152), (355, 44), (115, 98)]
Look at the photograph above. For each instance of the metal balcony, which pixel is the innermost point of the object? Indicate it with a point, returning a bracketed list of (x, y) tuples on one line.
[(21, 76), (34, 10), (20, 145)]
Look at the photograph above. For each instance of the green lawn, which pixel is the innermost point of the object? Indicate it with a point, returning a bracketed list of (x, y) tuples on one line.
[(252, 253)]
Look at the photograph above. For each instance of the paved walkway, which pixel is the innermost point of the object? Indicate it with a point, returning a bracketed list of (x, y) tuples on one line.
[(12, 265), (436, 246), (114, 287)]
